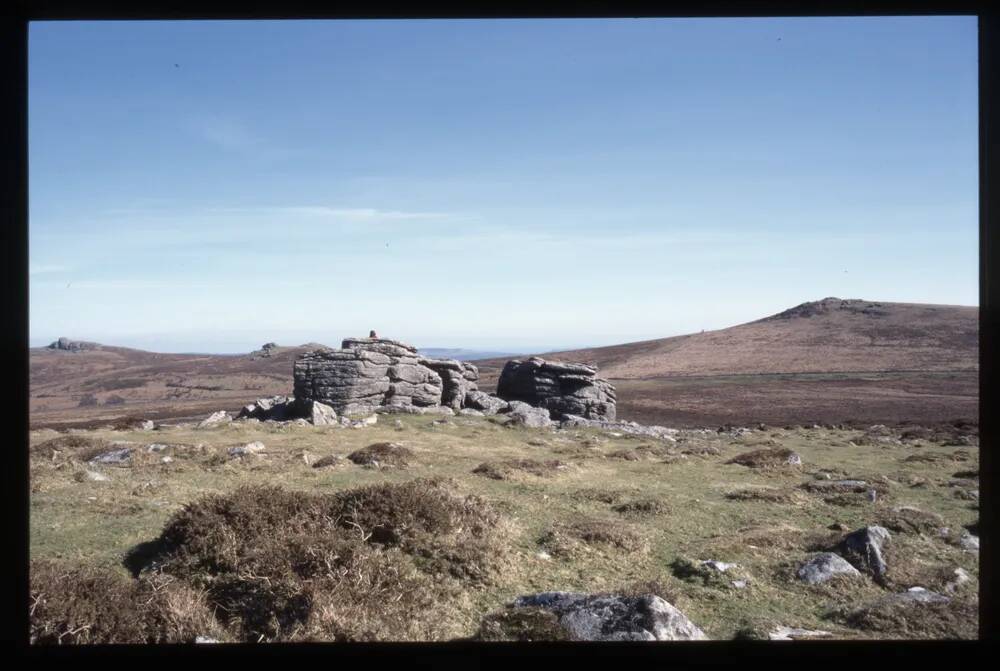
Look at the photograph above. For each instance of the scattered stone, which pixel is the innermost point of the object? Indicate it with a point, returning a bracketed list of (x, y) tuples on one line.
[(722, 567), (824, 566), (783, 633), (359, 423), (156, 447), (166, 459), (320, 414), (740, 584), (255, 447), (961, 577), (615, 618), (116, 457), (562, 388), (623, 427), (220, 417), (522, 414), (94, 476), (865, 546), (544, 555), (488, 404), (968, 542)]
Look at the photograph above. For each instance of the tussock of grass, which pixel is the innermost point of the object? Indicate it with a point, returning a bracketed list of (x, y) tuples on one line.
[(327, 461), (642, 452), (911, 520), (74, 446), (702, 451), (128, 423), (565, 540), (521, 624), (926, 458), (766, 495), (609, 496), (85, 604), (690, 570), (955, 619), (506, 468), (360, 564), (641, 508), (766, 459), (382, 455)]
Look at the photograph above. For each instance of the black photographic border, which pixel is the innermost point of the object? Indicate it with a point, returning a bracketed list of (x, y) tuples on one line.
[(14, 248)]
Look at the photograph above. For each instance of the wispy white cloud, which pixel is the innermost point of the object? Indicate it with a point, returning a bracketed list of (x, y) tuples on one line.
[(238, 137), (144, 285), (370, 214)]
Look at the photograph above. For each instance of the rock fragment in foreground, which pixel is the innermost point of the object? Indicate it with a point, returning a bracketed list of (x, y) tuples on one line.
[(600, 617), (255, 447), (216, 418), (630, 428), (866, 547), (117, 457), (824, 566), (485, 403), (522, 414), (794, 634)]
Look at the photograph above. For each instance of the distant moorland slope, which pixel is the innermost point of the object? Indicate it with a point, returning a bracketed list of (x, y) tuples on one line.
[(831, 360)]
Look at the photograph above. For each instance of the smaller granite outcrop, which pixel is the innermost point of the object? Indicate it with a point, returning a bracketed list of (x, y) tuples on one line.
[(562, 388), (67, 345)]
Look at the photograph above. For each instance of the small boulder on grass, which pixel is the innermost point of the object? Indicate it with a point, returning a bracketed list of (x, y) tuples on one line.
[(866, 549), (614, 617), (382, 455), (768, 459), (709, 573), (824, 566), (215, 419), (256, 447)]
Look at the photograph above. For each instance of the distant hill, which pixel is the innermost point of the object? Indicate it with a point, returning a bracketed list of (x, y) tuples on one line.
[(462, 354), (831, 359), (831, 335)]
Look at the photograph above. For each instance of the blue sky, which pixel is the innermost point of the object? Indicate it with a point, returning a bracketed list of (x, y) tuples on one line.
[(512, 184)]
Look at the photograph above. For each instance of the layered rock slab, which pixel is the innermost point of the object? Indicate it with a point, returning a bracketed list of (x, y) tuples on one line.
[(367, 373), (563, 389)]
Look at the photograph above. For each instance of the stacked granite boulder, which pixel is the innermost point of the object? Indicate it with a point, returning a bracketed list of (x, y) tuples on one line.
[(370, 373), (564, 389)]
